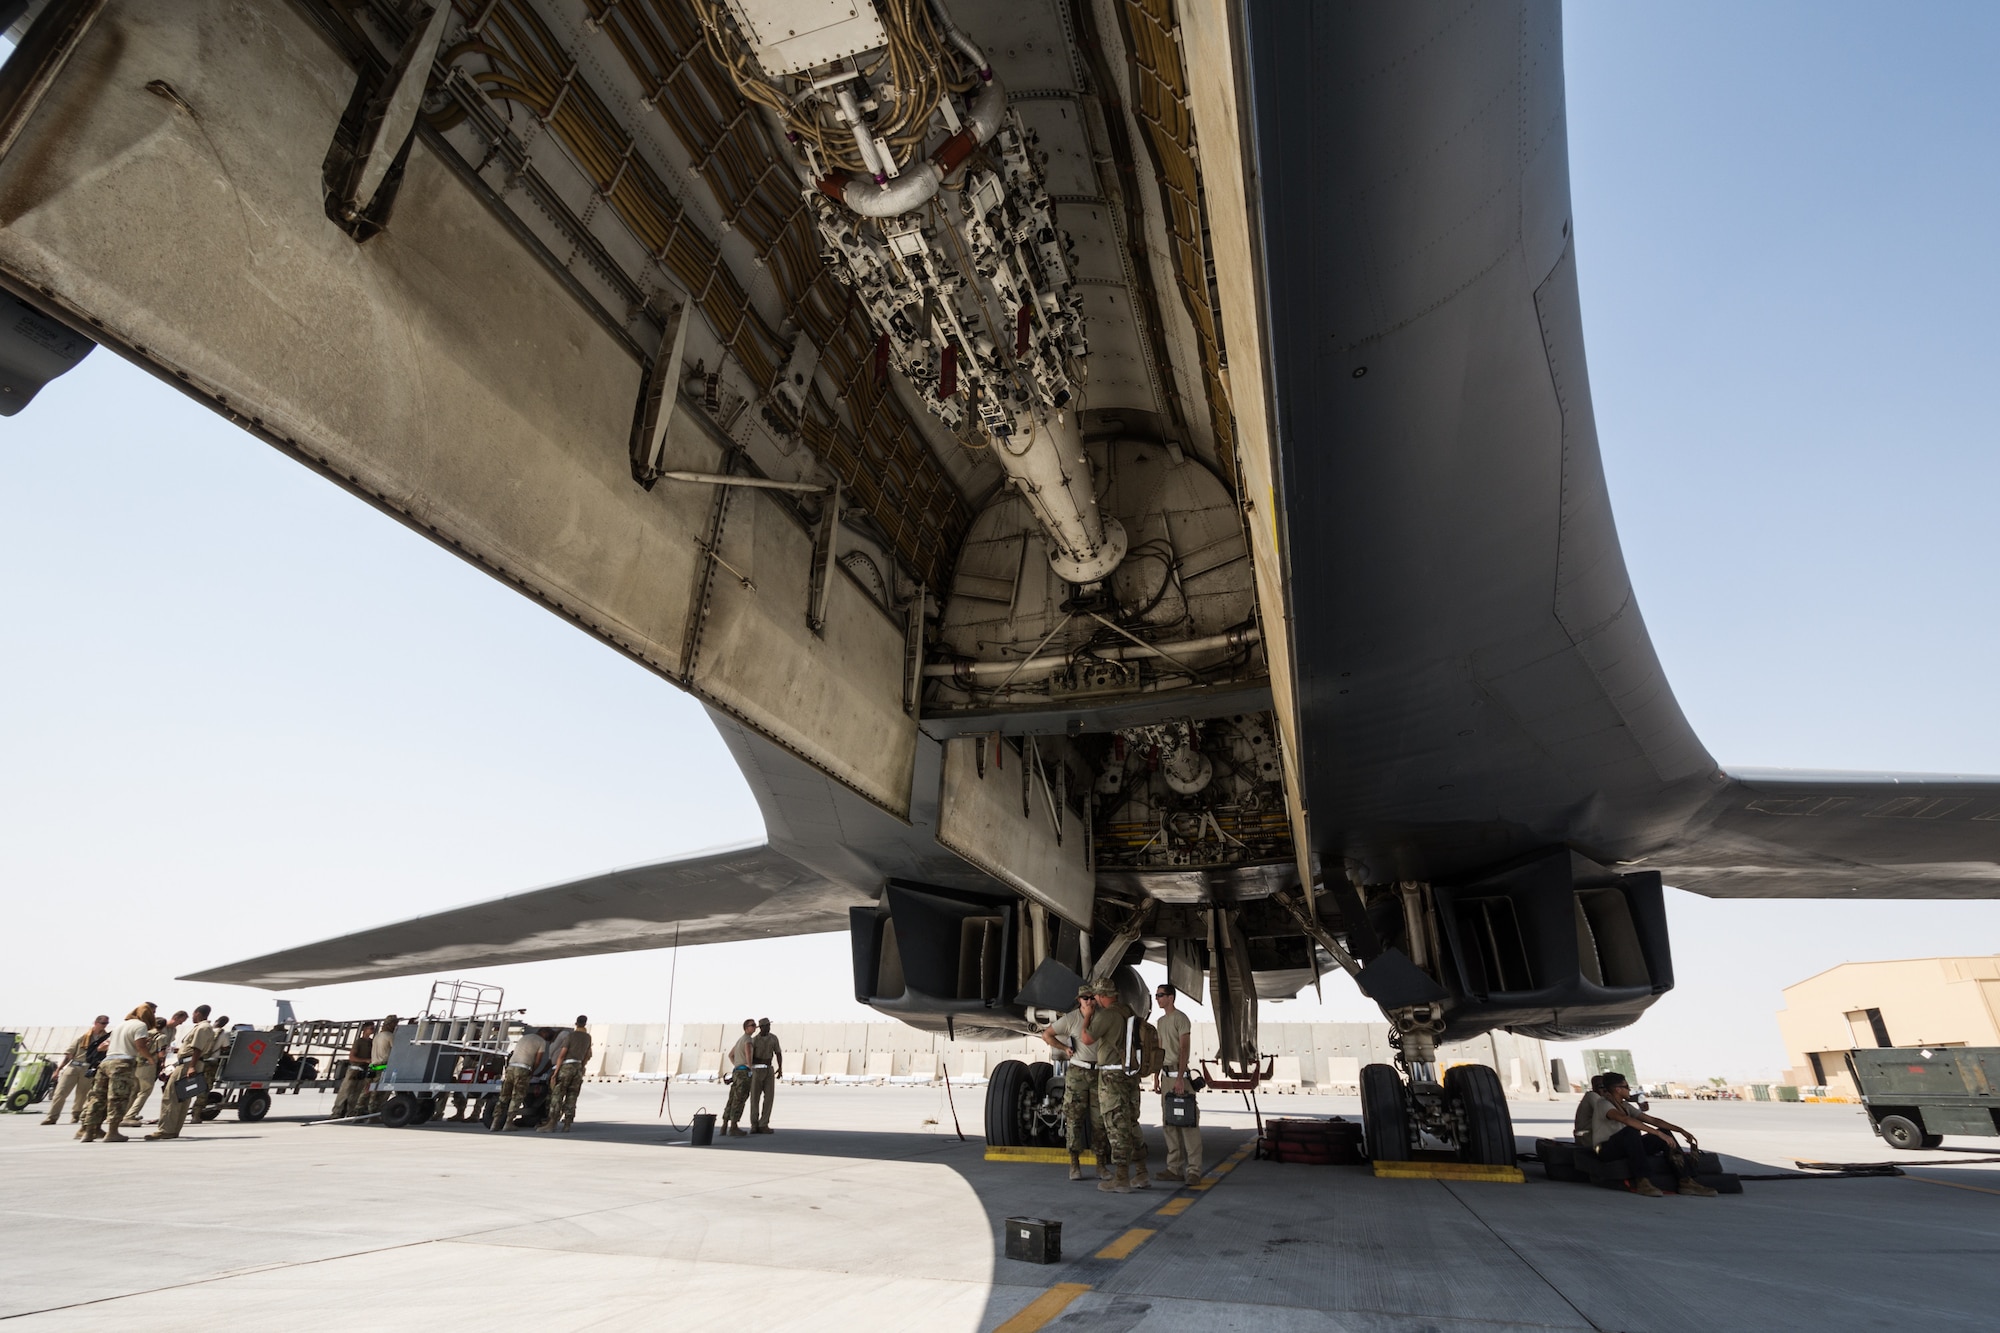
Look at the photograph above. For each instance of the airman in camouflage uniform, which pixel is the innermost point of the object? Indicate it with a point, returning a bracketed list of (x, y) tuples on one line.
[(1081, 1126), (740, 1057), (1105, 1038)]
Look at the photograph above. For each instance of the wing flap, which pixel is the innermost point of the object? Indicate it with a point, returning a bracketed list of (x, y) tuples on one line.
[(741, 893)]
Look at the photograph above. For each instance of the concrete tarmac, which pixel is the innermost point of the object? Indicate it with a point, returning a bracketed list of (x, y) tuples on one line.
[(865, 1211)]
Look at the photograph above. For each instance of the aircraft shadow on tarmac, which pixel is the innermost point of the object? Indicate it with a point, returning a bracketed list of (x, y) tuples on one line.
[(1337, 1242)]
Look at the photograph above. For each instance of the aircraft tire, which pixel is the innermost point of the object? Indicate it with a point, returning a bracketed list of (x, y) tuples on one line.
[(1489, 1128), (1385, 1114), (1007, 1089)]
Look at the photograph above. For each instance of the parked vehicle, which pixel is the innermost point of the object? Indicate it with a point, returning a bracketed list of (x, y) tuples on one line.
[(1916, 1095)]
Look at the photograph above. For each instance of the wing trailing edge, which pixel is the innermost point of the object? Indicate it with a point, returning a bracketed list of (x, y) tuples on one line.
[(741, 893), (1796, 833)]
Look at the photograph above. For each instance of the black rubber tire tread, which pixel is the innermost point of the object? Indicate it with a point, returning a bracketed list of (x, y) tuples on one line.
[(399, 1111), (1904, 1134), (1489, 1125), (1004, 1087), (256, 1104), (1385, 1114), (426, 1109)]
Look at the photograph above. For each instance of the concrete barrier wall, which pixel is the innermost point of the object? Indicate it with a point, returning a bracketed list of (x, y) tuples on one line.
[(1322, 1056), (46, 1040)]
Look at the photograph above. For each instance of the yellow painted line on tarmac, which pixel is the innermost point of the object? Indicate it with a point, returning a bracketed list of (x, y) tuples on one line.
[(1122, 1247), (1038, 1312), (1951, 1184)]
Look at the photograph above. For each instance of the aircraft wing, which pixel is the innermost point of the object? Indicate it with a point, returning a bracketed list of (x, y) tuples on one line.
[(741, 893), (1794, 833)]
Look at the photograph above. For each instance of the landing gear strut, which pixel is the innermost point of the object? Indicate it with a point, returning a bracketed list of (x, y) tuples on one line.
[(1466, 1110)]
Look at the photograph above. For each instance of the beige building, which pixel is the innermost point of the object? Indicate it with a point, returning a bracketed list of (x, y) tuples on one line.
[(1905, 1002)]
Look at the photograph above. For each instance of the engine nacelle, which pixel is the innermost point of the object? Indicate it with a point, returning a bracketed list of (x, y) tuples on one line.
[(1558, 948), (945, 960)]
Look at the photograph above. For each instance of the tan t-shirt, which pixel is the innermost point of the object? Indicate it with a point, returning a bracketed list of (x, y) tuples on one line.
[(1069, 1030), (1594, 1125), (127, 1040), (764, 1049), (572, 1045), (742, 1053), (199, 1044), (1172, 1027), (1107, 1032), (528, 1050)]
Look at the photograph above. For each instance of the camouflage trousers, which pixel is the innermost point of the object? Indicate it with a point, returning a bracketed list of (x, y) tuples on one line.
[(739, 1096), (563, 1084), (110, 1093), (1117, 1091), (1084, 1127), (513, 1094)]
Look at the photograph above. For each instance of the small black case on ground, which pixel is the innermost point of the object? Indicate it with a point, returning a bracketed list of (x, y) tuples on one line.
[(1180, 1110), (1034, 1240)]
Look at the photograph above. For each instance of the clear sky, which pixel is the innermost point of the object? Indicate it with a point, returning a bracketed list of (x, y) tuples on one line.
[(240, 709)]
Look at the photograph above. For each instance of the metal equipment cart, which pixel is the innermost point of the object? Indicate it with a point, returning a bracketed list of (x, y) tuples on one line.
[(458, 1045)]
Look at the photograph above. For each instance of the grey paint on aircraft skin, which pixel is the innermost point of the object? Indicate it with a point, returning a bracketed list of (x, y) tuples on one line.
[(1475, 679)]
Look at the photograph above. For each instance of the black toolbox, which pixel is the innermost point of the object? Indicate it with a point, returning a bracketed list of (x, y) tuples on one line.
[(1034, 1240)]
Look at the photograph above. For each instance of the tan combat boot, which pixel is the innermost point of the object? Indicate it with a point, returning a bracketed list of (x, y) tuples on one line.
[(1140, 1180), (1118, 1184), (1103, 1167), (1646, 1189), (1076, 1166), (112, 1135), (1689, 1185)]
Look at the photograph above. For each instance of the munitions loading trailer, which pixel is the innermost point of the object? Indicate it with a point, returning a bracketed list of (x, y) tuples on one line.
[(458, 1045), (1918, 1094)]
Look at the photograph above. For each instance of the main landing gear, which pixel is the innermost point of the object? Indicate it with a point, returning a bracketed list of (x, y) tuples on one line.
[(1467, 1111), (1024, 1105)]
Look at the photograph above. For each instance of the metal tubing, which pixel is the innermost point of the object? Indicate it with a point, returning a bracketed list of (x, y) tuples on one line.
[(914, 188), (760, 483), (1035, 667)]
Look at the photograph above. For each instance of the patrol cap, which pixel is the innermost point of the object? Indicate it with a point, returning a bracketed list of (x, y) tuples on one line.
[(1106, 988), (1086, 991)]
